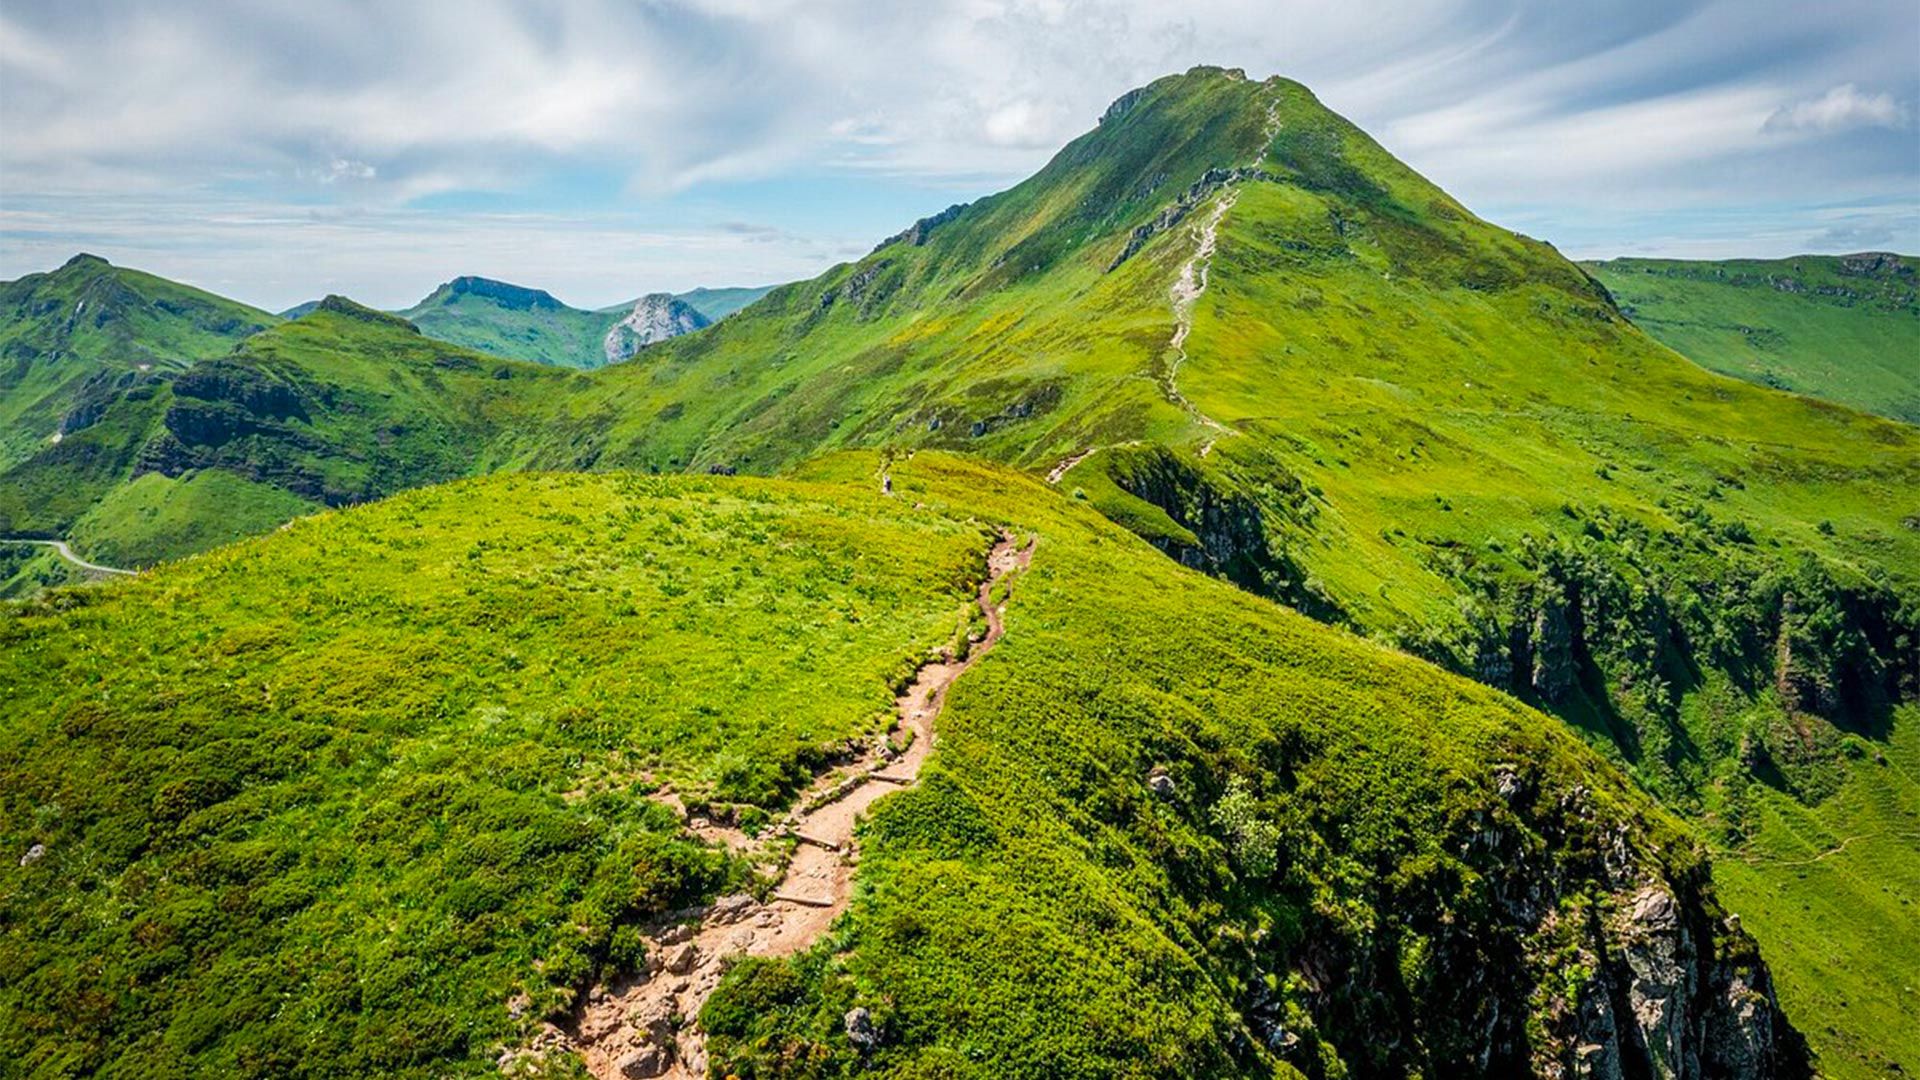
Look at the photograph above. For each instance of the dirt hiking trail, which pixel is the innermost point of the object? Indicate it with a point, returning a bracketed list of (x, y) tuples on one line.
[(644, 1025)]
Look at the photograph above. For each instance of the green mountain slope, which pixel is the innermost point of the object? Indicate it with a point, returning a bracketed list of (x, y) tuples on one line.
[(1230, 321), (69, 338), (1841, 327), (529, 324), (343, 405), (512, 321), (714, 304), (328, 801)]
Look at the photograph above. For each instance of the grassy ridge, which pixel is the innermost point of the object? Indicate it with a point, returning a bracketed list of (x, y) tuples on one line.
[(1841, 327), (1033, 909), (79, 331), (324, 801), (317, 804)]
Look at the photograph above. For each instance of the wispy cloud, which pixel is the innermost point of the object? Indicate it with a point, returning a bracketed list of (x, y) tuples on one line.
[(1842, 108)]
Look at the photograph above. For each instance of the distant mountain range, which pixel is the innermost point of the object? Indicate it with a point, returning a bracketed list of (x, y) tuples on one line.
[(530, 324)]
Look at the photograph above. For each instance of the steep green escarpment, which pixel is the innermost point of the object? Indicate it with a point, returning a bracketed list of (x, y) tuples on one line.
[(1295, 837), (371, 795), (68, 337), (1841, 327)]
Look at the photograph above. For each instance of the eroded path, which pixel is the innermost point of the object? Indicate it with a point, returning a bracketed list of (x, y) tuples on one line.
[(1186, 290), (1183, 295), (643, 1026)]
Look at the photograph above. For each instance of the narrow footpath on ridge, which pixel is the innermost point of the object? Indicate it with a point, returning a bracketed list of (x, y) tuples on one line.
[(644, 1025), (1185, 292)]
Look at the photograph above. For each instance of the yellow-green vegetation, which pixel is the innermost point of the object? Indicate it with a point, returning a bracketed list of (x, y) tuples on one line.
[(1381, 410), (1832, 892), (1841, 327), (70, 338), (323, 802), (318, 804)]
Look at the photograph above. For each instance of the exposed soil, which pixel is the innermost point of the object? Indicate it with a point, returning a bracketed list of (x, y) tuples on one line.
[(643, 1025)]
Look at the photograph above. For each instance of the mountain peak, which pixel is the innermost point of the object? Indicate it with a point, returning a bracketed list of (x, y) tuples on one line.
[(340, 305), (86, 260), (655, 318), (505, 294)]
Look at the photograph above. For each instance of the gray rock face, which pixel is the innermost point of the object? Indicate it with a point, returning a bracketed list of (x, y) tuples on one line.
[(860, 1030), (647, 1061), (1160, 783), (654, 318), (1660, 1004)]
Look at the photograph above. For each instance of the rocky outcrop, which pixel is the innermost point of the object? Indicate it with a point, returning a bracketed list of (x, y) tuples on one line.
[(916, 234), (1198, 192), (1669, 996), (1123, 105), (654, 318)]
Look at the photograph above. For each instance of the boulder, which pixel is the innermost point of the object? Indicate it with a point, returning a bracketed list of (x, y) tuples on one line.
[(644, 1062), (1160, 782), (860, 1030)]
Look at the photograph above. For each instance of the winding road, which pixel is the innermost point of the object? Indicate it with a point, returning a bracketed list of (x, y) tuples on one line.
[(67, 554)]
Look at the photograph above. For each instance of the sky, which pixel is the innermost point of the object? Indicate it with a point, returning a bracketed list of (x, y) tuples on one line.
[(277, 151)]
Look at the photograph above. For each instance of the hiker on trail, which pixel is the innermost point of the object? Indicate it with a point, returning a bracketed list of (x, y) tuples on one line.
[(886, 483)]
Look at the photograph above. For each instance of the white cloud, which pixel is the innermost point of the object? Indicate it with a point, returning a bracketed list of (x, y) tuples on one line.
[(123, 114), (1842, 108), (1021, 123), (344, 169)]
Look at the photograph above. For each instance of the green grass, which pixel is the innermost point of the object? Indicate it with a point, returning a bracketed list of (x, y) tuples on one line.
[(157, 517), (70, 336), (512, 321), (1832, 893), (320, 803), (1843, 328), (317, 804)]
